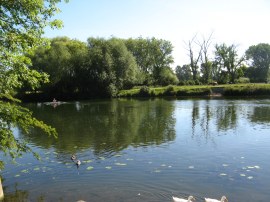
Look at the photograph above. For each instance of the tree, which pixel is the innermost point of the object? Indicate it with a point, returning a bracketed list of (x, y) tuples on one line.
[(183, 73), (227, 59), (194, 58), (206, 64), (259, 57), (63, 61), (22, 24), (152, 56), (111, 66)]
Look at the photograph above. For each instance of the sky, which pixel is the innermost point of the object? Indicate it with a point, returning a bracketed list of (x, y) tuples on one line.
[(240, 22)]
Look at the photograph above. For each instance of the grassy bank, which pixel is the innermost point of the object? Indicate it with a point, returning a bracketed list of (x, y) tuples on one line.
[(206, 90)]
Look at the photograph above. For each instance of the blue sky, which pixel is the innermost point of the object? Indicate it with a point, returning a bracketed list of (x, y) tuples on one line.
[(240, 22)]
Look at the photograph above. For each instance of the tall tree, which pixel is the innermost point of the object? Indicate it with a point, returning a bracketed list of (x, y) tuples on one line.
[(63, 61), (152, 56), (206, 63), (22, 24), (259, 57), (193, 56), (227, 59), (112, 67), (183, 73)]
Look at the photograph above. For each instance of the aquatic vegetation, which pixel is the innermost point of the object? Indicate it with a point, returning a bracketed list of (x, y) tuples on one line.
[(36, 169), (108, 167), (25, 171)]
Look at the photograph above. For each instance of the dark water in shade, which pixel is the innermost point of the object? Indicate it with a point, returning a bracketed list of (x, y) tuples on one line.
[(146, 150)]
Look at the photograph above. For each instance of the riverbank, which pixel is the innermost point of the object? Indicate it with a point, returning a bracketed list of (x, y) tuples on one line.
[(228, 90), (206, 90)]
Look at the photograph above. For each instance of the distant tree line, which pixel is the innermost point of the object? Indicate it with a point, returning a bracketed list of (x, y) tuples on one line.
[(102, 67), (226, 66)]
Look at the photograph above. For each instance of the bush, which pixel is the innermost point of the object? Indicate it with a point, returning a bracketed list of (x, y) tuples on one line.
[(169, 90), (242, 80), (145, 91)]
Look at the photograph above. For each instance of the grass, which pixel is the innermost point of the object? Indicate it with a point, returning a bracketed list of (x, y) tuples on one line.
[(198, 90)]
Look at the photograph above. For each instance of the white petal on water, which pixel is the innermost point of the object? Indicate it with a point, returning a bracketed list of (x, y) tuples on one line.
[(244, 168), (222, 174), (120, 164), (163, 165), (257, 167), (242, 175), (157, 171), (17, 175), (87, 161), (249, 177), (242, 157), (225, 165), (117, 155), (248, 170), (108, 167), (169, 166), (250, 167)]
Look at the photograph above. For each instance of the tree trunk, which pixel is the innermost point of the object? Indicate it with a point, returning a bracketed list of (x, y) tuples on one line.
[(1, 191)]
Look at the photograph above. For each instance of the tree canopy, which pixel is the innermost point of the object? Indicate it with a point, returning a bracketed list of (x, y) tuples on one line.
[(22, 24), (259, 57)]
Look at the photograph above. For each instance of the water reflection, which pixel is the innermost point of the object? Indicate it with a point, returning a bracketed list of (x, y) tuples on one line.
[(106, 126)]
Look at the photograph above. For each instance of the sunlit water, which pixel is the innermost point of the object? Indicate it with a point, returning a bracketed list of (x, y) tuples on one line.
[(146, 150)]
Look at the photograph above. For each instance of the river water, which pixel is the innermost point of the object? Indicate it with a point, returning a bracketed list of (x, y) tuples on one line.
[(145, 150)]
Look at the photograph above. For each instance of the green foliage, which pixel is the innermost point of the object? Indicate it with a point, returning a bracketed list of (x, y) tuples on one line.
[(227, 58), (259, 57), (247, 90), (145, 91), (152, 56), (242, 80), (102, 67), (183, 73), (22, 24)]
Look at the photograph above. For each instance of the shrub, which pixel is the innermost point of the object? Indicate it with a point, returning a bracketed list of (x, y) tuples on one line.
[(169, 90), (242, 80), (145, 91)]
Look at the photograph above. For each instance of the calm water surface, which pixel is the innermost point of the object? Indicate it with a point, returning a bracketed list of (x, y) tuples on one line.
[(146, 150)]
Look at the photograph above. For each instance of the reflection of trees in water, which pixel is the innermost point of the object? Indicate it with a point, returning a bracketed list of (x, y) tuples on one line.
[(22, 195), (106, 125), (226, 117), (260, 114), (206, 118)]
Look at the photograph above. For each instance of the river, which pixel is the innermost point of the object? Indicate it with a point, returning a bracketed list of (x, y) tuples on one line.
[(145, 150)]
